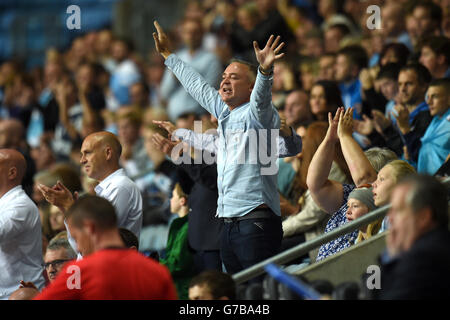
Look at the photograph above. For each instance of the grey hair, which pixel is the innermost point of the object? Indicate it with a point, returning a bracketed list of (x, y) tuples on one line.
[(379, 157), (56, 244)]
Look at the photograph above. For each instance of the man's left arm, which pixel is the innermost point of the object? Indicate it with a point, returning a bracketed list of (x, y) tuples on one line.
[(261, 97)]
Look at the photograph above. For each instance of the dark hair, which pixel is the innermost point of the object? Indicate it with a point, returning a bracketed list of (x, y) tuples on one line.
[(440, 45), (423, 75), (389, 71), (94, 208), (332, 94), (129, 238), (442, 82), (427, 192), (220, 284), (356, 54), (401, 52), (434, 10)]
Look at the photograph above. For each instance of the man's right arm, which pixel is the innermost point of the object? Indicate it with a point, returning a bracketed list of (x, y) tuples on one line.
[(190, 79), (195, 85)]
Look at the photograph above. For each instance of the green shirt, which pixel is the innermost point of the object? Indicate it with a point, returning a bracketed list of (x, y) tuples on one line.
[(179, 257)]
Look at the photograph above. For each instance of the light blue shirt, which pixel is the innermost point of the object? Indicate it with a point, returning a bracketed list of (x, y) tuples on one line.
[(288, 146), (435, 144), (242, 185), (178, 100)]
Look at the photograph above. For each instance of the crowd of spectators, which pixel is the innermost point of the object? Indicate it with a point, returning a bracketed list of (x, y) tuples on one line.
[(371, 105)]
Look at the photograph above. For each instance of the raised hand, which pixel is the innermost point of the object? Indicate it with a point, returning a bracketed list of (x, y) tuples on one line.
[(58, 195), (166, 125), (163, 144), (267, 56), (364, 126), (333, 124), (162, 42), (380, 121), (345, 125), (402, 118), (285, 130)]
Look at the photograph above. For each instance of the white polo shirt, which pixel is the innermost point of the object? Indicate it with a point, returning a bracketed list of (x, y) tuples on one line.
[(126, 198), (20, 242)]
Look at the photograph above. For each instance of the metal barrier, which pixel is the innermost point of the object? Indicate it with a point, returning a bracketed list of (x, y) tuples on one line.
[(304, 248)]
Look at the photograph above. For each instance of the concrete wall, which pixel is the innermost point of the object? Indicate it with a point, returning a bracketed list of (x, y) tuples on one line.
[(349, 264)]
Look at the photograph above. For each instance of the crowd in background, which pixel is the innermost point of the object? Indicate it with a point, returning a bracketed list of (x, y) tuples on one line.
[(391, 81)]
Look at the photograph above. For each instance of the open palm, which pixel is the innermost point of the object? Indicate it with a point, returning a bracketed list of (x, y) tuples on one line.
[(267, 56)]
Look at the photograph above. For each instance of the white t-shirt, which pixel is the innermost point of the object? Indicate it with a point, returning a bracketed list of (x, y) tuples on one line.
[(20, 242)]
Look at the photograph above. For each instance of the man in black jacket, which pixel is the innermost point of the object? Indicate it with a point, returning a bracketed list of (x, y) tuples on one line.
[(418, 242)]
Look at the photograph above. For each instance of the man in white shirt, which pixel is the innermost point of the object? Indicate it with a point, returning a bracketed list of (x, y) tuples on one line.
[(100, 153), (20, 228)]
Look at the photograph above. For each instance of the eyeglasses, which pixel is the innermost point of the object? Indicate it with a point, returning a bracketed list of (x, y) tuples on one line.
[(55, 263)]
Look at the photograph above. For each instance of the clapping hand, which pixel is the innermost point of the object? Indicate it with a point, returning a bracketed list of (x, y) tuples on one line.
[(333, 124)]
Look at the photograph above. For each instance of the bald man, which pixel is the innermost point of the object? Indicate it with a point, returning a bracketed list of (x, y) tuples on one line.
[(20, 228), (100, 153), (12, 136)]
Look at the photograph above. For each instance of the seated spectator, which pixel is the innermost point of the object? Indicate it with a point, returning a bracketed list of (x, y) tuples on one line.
[(394, 53), (324, 97), (327, 63), (330, 195), (125, 73), (212, 285), (283, 82), (56, 219), (140, 95), (107, 270), (418, 243), (435, 56), (296, 109), (333, 36), (350, 61), (393, 17), (179, 257), (308, 220), (434, 146), (134, 158), (411, 111), (58, 253), (360, 202)]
